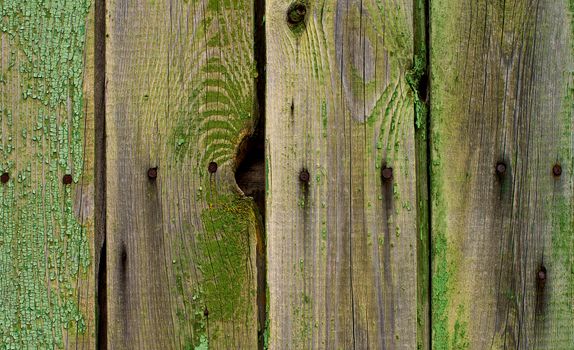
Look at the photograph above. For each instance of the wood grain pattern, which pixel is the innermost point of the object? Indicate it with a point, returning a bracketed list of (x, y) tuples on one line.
[(502, 91), (181, 247), (342, 259), (46, 131)]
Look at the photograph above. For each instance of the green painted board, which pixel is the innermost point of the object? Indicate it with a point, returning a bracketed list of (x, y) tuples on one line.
[(181, 247), (47, 270), (502, 148)]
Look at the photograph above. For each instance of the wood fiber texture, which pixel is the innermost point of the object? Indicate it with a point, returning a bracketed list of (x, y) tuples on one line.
[(181, 247), (503, 242), (342, 245)]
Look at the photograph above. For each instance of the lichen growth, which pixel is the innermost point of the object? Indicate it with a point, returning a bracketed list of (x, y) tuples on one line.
[(43, 248)]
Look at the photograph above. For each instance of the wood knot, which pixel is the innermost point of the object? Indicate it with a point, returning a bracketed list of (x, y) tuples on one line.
[(206, 312), (296, 13)]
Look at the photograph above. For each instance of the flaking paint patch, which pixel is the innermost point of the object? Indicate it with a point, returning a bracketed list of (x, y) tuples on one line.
[(43, 248)]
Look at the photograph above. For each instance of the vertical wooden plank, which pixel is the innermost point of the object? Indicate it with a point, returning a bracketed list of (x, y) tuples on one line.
[(502, 92), (180, 245), (342, 239), (46, 188)]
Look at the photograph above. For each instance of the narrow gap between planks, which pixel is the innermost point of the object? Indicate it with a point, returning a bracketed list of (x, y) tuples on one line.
[(100, 172)]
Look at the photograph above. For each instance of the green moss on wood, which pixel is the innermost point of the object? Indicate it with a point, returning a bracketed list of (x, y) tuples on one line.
[(224, 259), (413, 79)]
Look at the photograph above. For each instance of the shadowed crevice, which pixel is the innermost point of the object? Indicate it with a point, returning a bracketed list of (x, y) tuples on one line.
[(420, 74), (250, 169), (100, 172)]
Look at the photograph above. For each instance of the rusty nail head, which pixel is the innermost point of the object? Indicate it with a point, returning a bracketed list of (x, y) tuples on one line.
[(387, 173), (4, 177), (212, 167), (304, 175), (500, 168), (152, 173), (205, 312), (67, 179), (557, 170)]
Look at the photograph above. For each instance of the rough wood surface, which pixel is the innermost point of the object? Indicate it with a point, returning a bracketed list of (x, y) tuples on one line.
[(503, 243), (181, 264), (46, 224), (342, 260)]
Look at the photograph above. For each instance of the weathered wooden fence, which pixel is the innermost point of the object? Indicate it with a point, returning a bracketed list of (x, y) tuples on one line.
[(287, 174)]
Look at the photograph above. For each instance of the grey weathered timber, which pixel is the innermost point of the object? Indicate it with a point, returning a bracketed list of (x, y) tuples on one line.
[(342, 259), (181, 238), (502, 174)]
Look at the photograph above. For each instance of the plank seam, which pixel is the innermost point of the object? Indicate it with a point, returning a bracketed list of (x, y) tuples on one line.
[(100, 172)]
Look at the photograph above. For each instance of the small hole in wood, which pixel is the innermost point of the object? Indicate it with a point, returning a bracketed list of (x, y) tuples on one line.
[(152, 173), (5, 177)]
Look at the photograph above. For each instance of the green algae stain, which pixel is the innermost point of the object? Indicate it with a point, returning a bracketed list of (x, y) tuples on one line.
[(460, 338), (222, 258), (439, 250), (266, 333), (324, 118), (43, 248), (225, 246), (561, 215)]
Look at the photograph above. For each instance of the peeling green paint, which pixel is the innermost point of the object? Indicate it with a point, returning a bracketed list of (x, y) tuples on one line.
[(43, 248)]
